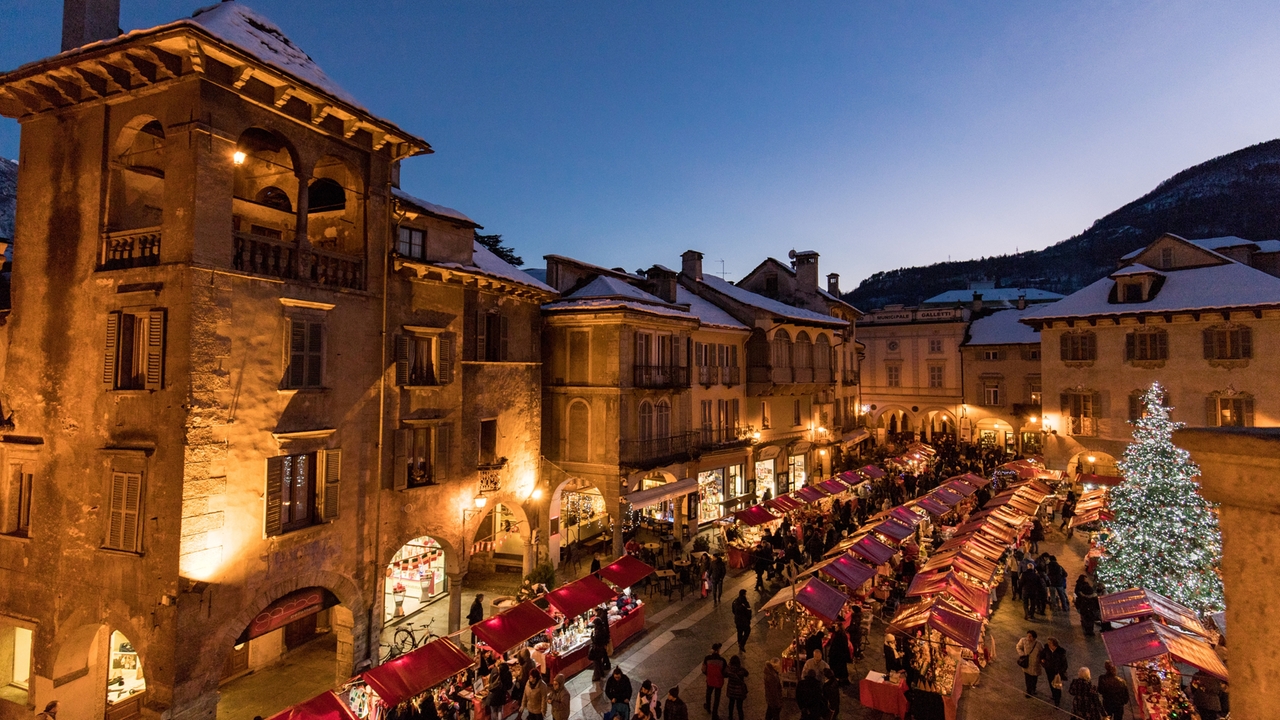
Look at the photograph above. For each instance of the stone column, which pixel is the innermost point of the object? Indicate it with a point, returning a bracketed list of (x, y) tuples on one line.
[(455, 601), (677, 518), (530, 552), (1238, 471), (343, 623)]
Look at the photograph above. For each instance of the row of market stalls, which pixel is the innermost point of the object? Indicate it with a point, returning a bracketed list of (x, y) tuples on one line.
[(556, 625)]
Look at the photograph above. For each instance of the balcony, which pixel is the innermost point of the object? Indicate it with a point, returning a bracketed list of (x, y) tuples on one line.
[(262, 255), (850, 377), (130, 248), (661, 376), (654, 452), (337, 270), (1083, 426), (723, 437), (731, 375), (708, 375), (771, 375), (823, 375)]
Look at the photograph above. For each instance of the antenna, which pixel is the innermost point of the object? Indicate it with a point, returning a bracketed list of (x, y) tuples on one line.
[(722, 272)]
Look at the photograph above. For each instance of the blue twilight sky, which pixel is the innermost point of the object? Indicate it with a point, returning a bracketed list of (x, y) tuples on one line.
[(880, 134)]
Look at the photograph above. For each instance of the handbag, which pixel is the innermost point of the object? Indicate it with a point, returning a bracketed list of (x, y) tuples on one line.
[(1057, 683), (1024, 661)]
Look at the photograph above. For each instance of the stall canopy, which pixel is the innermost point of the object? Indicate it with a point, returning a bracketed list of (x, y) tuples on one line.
[(1146, 640), (871, 471), (850, 478), (755, 515), (947, 496), (975, 480), (849, 570), (416, 672), (940, 615), (872, 550), (933, 506), (809, 494), (626, 571), (894, 529), (580, 596), (910, 517), (834, 487), (817, 597), (506, 630), (325, 706), (962, 593), (654, 495), (1142, 603), (1107, 480), (1091, 516), (853, 438), (960, 486), (784, 503)]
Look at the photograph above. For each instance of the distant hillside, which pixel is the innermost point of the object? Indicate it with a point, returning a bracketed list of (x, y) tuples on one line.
[(1236, 194), (8, 196)]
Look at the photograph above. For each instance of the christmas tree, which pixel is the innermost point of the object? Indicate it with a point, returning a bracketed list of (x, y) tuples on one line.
[(1164, 536)]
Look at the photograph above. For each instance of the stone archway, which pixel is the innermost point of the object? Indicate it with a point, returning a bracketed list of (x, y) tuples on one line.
[(566, 529)]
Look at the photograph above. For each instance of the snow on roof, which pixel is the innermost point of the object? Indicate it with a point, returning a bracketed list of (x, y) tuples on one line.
[(604, 286), (993, 295), (1136, 269), (484, 262), (1213, 287), (709, 313), (760, 302), (1004, 328), (432, 208), (1220, 243), (589, 266)]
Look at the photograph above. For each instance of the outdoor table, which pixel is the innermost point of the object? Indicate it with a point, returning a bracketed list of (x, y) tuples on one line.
[(666, 576), (883, 696)]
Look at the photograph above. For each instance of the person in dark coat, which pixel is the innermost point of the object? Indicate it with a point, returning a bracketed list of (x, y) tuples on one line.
[(713, 667), (742, 619), (599, 652), (760, 557), (475, 615), (595, 564), (831, 693), (1032, 588), (1054, 658), (618, 690), (772, 689), (719, 568), (1088, 605), (736, 686), (813, 704), (1114, 692), (1037, 535), (674, 708), (839, 654)]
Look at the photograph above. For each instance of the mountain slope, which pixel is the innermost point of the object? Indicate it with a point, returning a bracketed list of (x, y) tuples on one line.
[(1235, 194)]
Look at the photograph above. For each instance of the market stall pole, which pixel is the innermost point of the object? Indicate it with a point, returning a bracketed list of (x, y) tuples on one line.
[(325, 706)]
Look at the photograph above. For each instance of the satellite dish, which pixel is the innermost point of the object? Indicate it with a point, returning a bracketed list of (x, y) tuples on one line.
[(791, 254)]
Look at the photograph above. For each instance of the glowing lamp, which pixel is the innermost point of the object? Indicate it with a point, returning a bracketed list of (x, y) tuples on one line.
[(481, 501), (1092, 459), (537, 493), (238, 157)]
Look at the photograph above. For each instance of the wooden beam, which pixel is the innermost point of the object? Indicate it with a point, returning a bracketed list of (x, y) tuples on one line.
[(150, 71), (48, 93), (168, 65), (243, 74), (320, 112), (283, 94), (70, 86), (120, 77), (99, 84)]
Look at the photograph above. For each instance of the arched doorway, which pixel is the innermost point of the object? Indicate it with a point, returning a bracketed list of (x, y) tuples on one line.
[(580, 518), (126, 682), (500, 538), (416, 577), (15, 662), (1092, 462), (996, 434)]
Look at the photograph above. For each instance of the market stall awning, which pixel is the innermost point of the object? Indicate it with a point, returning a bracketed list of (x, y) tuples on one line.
[(580, 596), (855, 437), (809, 494), (755, 515), (416, 672), (871, 471), (940, 615), (849, 570), (910, 517), (975, 480), (850, 478), (947, 496), (819, 598), (1103, 480), (1091, 516), (894, 529), (654, 495), (1142, 603), (872, 550), (1147, 639), (975, 545), (980, 570), (626, 571), (784, 503), (325, 706), (967, 595), (933, 506), (833, 487), (506, 630), (960, 487)]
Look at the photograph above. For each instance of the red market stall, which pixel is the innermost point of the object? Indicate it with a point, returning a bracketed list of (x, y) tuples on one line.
[(933, 506), (872, 550), (740, 540), (847, 569), (909, 517), (975, 480), (833, 487), (1147, 640), (955, 588), (1100, 480), (784, 503), (580, 596), (416, 672), (626, 571), (755, 515), (871, 471), (818, 598), (325, 706), (576, 601), (938, 614), (506, 630), (959, 486), (947, 496), (809, 494), (894, 529), (1140, 603)]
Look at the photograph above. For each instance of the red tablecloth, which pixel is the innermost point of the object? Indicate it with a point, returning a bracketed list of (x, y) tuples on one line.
[(884, 697), (739, 558), (576, 661)]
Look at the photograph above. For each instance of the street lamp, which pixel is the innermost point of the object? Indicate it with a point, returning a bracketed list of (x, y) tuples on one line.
[(238, 157), (481, 501)]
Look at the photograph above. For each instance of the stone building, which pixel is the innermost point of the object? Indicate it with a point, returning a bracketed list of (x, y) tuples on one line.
[(1000, 359), (1201, 317), (236, 385)]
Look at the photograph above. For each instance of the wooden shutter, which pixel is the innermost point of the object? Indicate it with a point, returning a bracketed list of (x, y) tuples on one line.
[(1209, 344), (1065, 341), (155, 349), (1066, 404), (1246, 343), (111, 350), (115, 512), (400, 461), (402, 360), (315, 354), (443, 446), (331, 466), (1248, 410), (698, 354), (1090, 346), (1130, 346), (1162, 345), (481, 322), (445, 370), (1211, 411), (126, 499), (273, 495), (296, 372), (502, 344)]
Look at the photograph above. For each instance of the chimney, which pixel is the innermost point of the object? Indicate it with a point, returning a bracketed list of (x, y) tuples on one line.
[(662, 283), (1022, 301), (977, 302), (692, 265), (833, 283), (86, 21), (806, 264)]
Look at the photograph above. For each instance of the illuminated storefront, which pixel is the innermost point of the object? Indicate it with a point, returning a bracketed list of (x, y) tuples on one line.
[(795, 471), (765, 479), (415, 577), (125, 681), (710, 495)]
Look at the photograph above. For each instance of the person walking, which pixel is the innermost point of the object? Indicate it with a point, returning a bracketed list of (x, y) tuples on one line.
[(713, 667), (1032, 587), (534, 701), (1088, 605), (760, 558), (772, 690), (742, 619), (559, 698), (647, 698), (1057, 577), (831, 694), (1085, 703), (839, 653), (599, 652), (1054, 660), (1037, 535), (813, 705), (1029, 660), (674, 708), (736, 686), (475, 615), (718, 570), (1114, 691), (618, 690)]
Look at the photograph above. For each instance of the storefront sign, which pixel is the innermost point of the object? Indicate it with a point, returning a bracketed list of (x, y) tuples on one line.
[(295, 605)]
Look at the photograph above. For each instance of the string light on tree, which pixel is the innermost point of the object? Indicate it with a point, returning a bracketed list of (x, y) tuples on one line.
[(1164, 536)]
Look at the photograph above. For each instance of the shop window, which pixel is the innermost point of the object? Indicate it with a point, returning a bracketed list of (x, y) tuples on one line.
[(491, 336), (1079, 347), (582, 514), (133, 358), (488, 442), (735, 481), (796, 472), (17, 502), (765, 482), (935, 376), (415, 577), (412, 243), (710, 495), (1146, 345), (422, 456), (1228, 343), (1230, 411), (302, 490), (125, 679), (305, 361), (424, 360), (893, 375), (15, 664), (124, 512)]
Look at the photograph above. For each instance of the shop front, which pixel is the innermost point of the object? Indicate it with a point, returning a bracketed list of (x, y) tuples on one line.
[(710, 495), (582, 515), (796, 475), (126, 683), (415, 578)]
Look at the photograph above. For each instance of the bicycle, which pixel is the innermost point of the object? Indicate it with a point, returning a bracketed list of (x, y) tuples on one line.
[(405, 640)]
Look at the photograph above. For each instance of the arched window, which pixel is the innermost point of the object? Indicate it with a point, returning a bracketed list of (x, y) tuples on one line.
[(781, 349), (662, 419), (325, 195), (822, 358), (135, 196), (803, 351), (645, 429), (578, 431), (274, 197)]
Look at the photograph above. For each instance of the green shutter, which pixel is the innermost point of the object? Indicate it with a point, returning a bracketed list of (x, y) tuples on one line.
[(296, 373), (315, 354), (445, 371)]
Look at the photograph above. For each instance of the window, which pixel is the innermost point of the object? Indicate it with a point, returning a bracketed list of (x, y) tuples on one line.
[(646, 420), (412, 243), (1228, 343), (1078, 410), (990, 354), (1230, 411), (1034, 394), (707, 420), (1131, 292), (1079, 347), (990, 393), (133, 358), (302, 490), (579, 357), (421, 456), (1031, 352), (1166, 258), (1146, 345), (578, 440), (488, 442), (124, 511), (893, 374), (771, 285), (764, 415), (935, 345), (424, 359), (662, 419), (17, 502), (1136, 409), (796, 418), (935, 376), (491, 336), (305, 368)]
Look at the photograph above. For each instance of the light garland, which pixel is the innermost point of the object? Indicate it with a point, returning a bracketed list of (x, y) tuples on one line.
[(1164, 536)]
